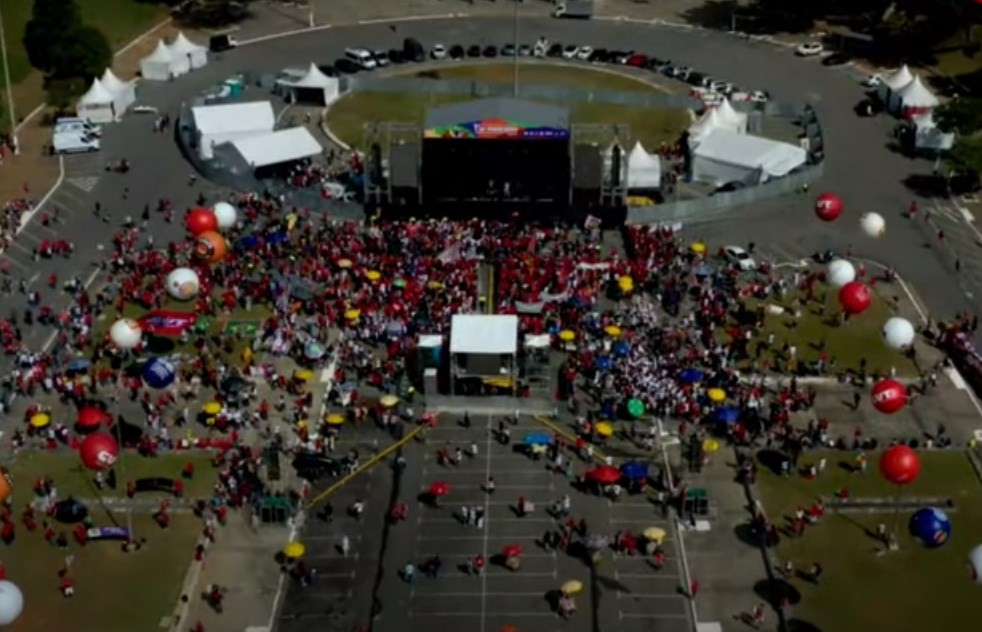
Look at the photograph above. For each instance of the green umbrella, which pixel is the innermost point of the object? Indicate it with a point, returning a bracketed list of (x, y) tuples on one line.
[(399, 283), (635, 408)]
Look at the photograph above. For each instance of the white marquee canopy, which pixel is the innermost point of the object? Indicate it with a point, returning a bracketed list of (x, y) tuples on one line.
[(97, 104), (314, 80), (643, 169), (182, 47)]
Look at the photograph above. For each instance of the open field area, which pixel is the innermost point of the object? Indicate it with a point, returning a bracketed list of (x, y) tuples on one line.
[(863, 587), (651, 126)]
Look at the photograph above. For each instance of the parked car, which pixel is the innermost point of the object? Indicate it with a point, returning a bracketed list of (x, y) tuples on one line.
[(657, 65), (556, 50), (809, 49), (541, 47), (473, 50), (396, 56), (361, 57), (872, 81), (637, 60), (381, 58), (619, 56), (678, 72), (836, 59), (508, 50), (570, 51), (600, 55), (347, 67), (439, 51), (412, 50), (740, 258), (328, 69), (220, 43), (524, 50), (584, 53), (722, 87), (456, 51), (490, 51), (698, 79)]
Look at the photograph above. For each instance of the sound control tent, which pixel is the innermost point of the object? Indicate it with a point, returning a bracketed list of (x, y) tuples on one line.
[(124, 92), (97, 104), (643, 169), (312, 84), (183, 48), (273, 148), (725, 156), (160, 65), (484, 346), (217, 124)]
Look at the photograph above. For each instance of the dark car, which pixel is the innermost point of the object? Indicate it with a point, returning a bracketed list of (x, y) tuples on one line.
[(698, 79), (556, 50), (620, 56), (508, 50), (219, 43), (413, 50), (869, 107), (396, 56), (836, 59), (456, 52), (490, 51), (657, 65), (346, 66), (473, 50), (599, 55), (328, 69)]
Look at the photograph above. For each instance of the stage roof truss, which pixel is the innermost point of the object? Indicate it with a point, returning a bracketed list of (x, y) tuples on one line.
[(516, 110)]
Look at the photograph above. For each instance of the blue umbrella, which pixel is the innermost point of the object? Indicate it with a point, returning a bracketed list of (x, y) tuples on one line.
[(727, 414), (278, 237), (538, 438), (635, 470), (248, 242), (604, 363), (622, 349), (691, 376), (159, 373), (78, 364)]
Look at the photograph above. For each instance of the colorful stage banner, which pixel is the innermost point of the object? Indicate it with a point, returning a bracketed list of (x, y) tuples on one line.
[(162, 322), (497, 129)]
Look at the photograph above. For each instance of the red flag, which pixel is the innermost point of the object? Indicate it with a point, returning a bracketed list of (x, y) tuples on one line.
[(163, 322)]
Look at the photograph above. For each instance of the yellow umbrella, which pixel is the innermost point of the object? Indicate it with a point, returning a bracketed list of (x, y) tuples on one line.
[(389, 401), (604, 429), (626, 284), (567, 336), (345, 263), (335, 419), (572, 587), (212, 408), (294, 550), (304, 375), (716, 395), (302, 424), (710, 446), (698, 247), (654, 534), (373, 275), (40, 420), (435, 285), (352, 314), (612, 330)]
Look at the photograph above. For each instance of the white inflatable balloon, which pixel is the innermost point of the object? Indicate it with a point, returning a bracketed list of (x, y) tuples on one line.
[(898, 333), (226, 214), (126, 333), (873, 224), (183, 284), (975, 564), (11, 602), (840, 272)]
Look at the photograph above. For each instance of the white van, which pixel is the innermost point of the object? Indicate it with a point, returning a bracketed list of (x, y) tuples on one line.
[(74, 143), (75, 124), (362, 57)]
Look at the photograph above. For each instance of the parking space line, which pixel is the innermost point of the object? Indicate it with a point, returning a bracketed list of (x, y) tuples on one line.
[(455, 521), (646, 576), (481, 472), (524, 555), (510, 614), (527, 593), (17, 263), (652, 596), (350, 575), (498, 503), (633, 615)]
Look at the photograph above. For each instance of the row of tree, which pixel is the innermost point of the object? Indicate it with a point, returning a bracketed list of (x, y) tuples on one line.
[(963, 116)]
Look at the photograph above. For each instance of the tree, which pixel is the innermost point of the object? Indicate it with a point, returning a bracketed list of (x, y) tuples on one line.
[(214, 13), (84, 52), (62, 93), (51, 22), (965, 157), (962, 115)]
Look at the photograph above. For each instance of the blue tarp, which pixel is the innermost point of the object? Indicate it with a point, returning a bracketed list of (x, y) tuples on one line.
[(727, 414), (537, 438), (635, 470), (691, 376)]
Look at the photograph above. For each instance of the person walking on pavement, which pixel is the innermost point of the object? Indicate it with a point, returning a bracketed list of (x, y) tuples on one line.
[(490, 486), (345, 545), (409, 572)]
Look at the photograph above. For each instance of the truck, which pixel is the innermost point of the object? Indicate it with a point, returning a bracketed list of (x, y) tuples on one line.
[(576, 9), (74, 142)]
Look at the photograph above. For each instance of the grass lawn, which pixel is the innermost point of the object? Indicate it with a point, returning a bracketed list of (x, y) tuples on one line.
[(649, 125), (114, 591), (860, 337), (119, 20), (911, 589), (72, 479)]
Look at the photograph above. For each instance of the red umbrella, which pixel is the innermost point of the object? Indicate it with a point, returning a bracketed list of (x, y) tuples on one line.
[(512, 550), (90, 417), (606, 474), (439, 488)]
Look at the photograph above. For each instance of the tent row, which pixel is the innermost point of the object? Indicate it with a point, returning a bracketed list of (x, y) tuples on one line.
[(721, 117), (306, 86), (107, 99), (168, 61), (906, 95)]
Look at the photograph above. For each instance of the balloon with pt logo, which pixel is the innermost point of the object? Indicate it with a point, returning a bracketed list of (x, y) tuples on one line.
[(889, 396), (159, 373), (99, 451)]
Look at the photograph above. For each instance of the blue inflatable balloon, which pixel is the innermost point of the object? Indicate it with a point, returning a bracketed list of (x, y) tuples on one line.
[(931, 527), (159, 373)]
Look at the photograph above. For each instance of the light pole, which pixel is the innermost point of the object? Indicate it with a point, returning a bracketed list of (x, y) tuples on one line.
[(10, 93), (515, 69)]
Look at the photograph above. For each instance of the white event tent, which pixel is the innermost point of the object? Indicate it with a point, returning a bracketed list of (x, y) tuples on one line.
[(722, 117), (312, 84), (183, 48), (217, 124), (483, 346), (97, 104), (737, 121), (273, 148), (124, 92), (916, 99), (725, 156), (928, 136), (643, 169), (892, 84), (161, 65)]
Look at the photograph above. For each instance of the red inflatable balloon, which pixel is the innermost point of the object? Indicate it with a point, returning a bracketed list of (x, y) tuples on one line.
[(201, 220), (900, 465), (855, 298), (828, 207), (90, 417), (99, 451), (889, 396)]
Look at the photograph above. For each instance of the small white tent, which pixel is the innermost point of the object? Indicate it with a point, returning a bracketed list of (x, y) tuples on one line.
[(160, 65), (928, 136), (915, 98), (184, 48), (725, 156), (731, 119), (312, 82), (892, 85), (706, 125), (643, 169), (124, 92), (97, 104)]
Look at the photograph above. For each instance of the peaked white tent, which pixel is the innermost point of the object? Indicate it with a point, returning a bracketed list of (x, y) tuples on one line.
[(928, 136), (227, 122), (183, 48), (160, 65), (124, 92), (899, 79), (707, 124), (725, 156), (97, 104), (313, 82), (915, 98), (643, 169), (731, 119)]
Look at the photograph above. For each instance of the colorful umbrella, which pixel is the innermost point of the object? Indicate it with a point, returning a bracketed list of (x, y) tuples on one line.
[(567, 335), (373, 275), (604, 429), (212, 408), (352, 314), (389, 401), (512, 550), (691, 376), (635, 470), (604, 474), (635, 408), (294, 550), (654, 534), (314, 350), (612, 330), (572, 587), (345, 263), (90, 417), (399, 283), (727, 414), (698, 247), (304, 375), (716, 395), (435, 285), (439, 488), (537, 438), (710, 446), (335, 419), (626, 284)]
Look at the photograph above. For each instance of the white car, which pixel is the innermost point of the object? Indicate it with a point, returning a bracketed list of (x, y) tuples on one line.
[(541, 47), (872, 81), (740, 258), (570, 52), (809, 49), (722, 87), (584, 53), (439, 51)]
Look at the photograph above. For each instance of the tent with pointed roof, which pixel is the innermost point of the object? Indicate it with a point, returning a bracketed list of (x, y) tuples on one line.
[(709, 122), (124, 92), (183, 48), (160, 65), (311, 84), (97, 104), (916, 99), (733, 120), (643, 169), (899, 79)]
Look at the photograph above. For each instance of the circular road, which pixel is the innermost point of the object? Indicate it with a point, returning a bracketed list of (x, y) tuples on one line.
[(859, 166)]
